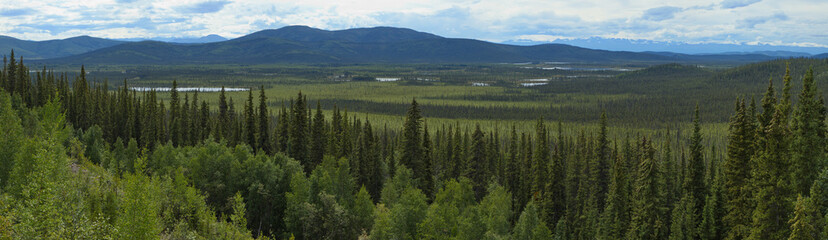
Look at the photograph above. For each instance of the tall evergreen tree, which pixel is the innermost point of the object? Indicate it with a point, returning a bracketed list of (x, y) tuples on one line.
[(772, 198), (428, 177), (694, 184), (804, 221), (808, 146), (250, 127), (646, 221), (737, 170), (264, 141), (476, 163), (540, 163), (602, 153), (318, 141), (412, 150), (616, 216), (223, 124), (175, 122), (298, 141)]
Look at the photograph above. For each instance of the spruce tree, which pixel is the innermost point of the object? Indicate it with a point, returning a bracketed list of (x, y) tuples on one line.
[(737, 174), (513, 182), (412, 150), (175, 122), (808, 146), (476, 163), (694, 184), (646, 221), (318, 141), (250, 122), (771, 197), (540, 162), (616, 216), (223, 124), (428, 158), (264, 141), (804, 221), (297, 138), (602, 153), (283, 130)]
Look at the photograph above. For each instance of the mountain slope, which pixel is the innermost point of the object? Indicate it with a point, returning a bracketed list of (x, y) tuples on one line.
[(53, 48), (299, 44)]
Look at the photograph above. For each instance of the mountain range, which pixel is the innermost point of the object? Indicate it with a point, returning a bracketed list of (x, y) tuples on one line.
[(301, 44), (637, 45)]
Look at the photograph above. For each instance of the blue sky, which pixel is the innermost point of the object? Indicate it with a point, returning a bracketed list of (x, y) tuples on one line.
[(789, 23)]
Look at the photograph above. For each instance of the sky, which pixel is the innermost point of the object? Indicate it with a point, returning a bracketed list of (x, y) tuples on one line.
[(788, 23)]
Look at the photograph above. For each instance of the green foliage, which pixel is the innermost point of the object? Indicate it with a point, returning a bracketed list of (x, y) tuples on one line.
[(412, 151), (496, 212), (363, 211), (805, 220), (446, 214), (407, 213), (808, 127), (12, 135), (737, 173), (138, 217), (647, 220), (530, 226)]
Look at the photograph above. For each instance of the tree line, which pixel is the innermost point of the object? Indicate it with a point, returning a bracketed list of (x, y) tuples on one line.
[(125, 165)]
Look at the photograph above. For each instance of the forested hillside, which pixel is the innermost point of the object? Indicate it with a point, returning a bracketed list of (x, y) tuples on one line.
[(78, 161)]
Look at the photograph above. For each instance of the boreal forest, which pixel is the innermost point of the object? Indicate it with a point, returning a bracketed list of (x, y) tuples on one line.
[(83, 159)]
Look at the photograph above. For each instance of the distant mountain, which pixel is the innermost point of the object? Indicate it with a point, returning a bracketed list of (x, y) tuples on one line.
[(299, 44), (824, 55), (615, 44), (354, 35), (53, 48), (206, 39)]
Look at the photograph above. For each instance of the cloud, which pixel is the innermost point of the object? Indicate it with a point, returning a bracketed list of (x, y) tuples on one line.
[(205, 7), (752, 22), (728, 4), (14, 12), (661, 13)]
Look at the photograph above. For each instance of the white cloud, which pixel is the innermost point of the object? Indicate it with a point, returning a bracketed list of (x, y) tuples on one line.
[(793, 22)]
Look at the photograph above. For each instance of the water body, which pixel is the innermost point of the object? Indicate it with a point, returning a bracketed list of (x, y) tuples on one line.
[(533, 84), (188, 89)]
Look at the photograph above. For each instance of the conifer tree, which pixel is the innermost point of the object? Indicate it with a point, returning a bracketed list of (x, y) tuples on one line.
[(318, 141), (804, 221), (204, 120), (297, 135), (737, 170), (513, 183), (603, 162), (175, 122), (264, 141), (250, 121), (615, 218), (196, 131), (808, 136), (283, 130), (772, 199), (476, 163), (694, 184), (336, 133), (223, 124), (540, 162), (412, 150), (428, 177), (646, 220)]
